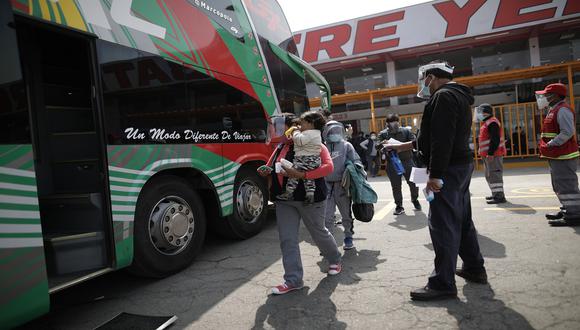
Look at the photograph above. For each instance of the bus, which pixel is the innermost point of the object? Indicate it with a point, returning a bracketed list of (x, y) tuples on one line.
[(129, 128)]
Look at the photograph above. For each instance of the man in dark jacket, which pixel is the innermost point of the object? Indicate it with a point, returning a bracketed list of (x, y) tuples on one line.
[(443, 144), (401, 134)]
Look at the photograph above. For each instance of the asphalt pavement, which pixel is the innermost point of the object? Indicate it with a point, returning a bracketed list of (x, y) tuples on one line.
[(533, 269)]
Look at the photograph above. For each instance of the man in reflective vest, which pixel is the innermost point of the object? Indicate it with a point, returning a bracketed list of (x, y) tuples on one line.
[(558, 144), (492, 150)]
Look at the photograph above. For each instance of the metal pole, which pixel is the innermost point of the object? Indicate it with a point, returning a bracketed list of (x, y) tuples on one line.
[(571, 87), (373, 117)]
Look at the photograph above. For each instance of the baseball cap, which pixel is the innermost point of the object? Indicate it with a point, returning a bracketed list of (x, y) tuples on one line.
[(559, 89)]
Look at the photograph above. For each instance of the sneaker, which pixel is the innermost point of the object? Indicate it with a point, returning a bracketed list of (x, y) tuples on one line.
[(334, 269), (399, 210), (417, 205), (284, 288), (489, 198), (348, 243)]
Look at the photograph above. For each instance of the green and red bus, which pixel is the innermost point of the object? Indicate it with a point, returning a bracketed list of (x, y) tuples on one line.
[(129, 127)]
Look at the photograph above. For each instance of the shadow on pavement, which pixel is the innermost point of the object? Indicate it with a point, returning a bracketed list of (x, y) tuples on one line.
[(480, 310), (489, 248), (410, 223), (313, 310), (221, 268), (516, 208)]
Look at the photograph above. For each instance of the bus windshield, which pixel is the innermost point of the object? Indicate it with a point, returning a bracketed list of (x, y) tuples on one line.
[(273, 32)]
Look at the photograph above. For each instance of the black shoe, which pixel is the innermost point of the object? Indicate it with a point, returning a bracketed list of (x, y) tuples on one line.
[(555, 216), (427, 293), (488, 198), (399, 210), (496, 201), (480, 278), (563, 222), (417, 205)]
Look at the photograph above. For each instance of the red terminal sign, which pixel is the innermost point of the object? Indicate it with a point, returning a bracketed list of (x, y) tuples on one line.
[(425, 24)]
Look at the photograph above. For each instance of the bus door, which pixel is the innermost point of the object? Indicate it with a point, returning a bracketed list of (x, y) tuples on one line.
[(69, 149), (23, 280)]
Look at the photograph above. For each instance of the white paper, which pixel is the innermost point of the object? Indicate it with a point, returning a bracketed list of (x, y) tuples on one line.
[(394, 142), (419, 176)]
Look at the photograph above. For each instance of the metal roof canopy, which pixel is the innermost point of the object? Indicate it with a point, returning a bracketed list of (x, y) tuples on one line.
[(476, 80)]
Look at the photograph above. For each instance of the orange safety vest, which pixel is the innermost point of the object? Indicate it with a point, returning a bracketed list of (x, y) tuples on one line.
[(484, 138), (551, 129)]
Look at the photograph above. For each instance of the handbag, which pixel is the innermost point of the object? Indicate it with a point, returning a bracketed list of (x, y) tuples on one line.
[(363, 212)]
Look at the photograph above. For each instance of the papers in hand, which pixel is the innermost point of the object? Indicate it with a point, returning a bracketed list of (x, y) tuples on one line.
[(419, 176), (394, 142)]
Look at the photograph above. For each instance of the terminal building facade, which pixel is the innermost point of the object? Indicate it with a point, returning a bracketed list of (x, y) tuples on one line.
[(504, 49)]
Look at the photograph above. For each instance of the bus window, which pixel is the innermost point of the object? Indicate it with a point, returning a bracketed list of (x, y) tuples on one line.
[(14, 122), (271, 27), (146, 94)]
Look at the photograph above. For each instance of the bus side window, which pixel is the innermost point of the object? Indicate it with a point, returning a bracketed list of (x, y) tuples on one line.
[(14, 122)]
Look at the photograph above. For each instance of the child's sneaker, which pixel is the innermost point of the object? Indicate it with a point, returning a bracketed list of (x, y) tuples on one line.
[(348, 244), (286, 196), (284, 288), (334, 269)]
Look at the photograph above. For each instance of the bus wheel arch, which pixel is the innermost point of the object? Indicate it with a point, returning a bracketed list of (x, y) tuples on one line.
[(170, 226), (249, 204)]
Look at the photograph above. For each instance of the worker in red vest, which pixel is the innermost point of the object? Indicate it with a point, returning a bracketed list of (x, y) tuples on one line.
[(558, 144), (492, 150)]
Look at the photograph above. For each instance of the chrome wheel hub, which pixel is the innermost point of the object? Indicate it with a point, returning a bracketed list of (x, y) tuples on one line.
[(250, 201), (171, 225)]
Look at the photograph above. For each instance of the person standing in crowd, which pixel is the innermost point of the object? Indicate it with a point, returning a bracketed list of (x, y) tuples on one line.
[(289, 213), (401, 134), (340, 152), (356, 141), (348, 135), (492, 150), (558, 144), (370, 150), (443, 144)]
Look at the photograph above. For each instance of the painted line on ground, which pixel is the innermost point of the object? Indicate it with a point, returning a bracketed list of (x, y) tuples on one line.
[(521, 208), (507, 197), (385, 211)]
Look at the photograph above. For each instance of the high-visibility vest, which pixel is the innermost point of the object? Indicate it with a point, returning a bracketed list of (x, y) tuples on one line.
[(551, 129), (484, 138)]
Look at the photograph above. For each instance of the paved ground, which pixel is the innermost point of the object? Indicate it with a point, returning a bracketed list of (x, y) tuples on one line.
[(534, 275)]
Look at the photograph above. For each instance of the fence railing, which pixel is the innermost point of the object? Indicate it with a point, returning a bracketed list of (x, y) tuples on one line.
[(522, 124)]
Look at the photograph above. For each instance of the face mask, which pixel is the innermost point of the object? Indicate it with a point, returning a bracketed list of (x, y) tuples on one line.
[(425, 92), (394, 125), (373, 137), (542, 102), (334, 138), (480, 116)]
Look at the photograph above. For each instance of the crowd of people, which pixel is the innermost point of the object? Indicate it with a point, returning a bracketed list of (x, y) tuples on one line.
[(309, 185)]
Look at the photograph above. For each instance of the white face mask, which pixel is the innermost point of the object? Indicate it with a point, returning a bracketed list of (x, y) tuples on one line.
[(542, 101), (480, 116), (373, 137), (424, 91)]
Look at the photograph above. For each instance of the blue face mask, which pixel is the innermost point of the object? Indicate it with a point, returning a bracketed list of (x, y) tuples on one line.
[(334, 138)]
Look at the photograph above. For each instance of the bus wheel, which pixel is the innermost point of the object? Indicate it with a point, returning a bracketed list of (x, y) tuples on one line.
[(250, 206), (170, 227)]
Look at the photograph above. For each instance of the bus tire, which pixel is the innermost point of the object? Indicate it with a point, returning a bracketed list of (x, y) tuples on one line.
[(250, 206), (170, 227)]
